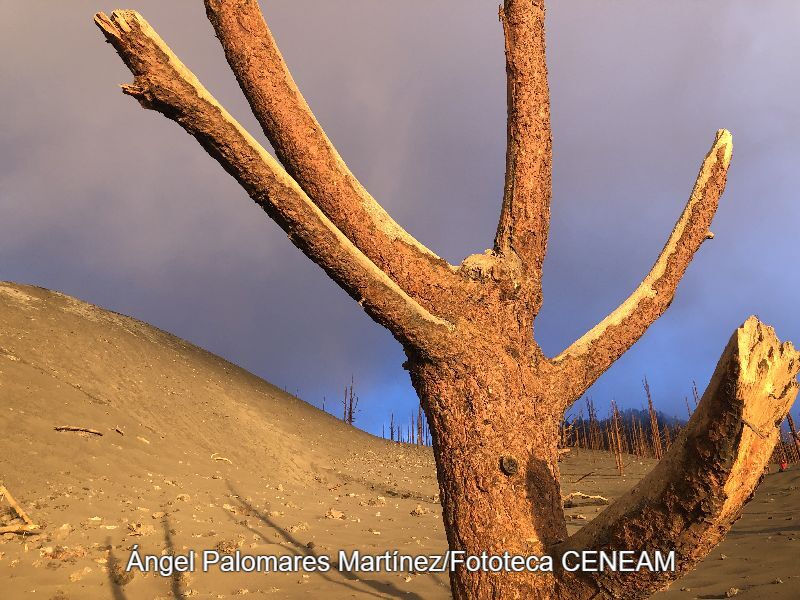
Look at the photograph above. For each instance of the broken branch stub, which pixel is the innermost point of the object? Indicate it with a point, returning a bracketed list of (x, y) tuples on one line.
[(690, 500)]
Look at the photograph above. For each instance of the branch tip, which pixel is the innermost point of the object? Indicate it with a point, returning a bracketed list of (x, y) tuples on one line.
[(589, 356), (725, 139), (163, 83)]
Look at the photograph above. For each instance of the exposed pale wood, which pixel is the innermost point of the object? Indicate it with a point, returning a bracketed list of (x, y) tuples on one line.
[(592, 499), (219, 458), (29, 525), (163, 83), (689, 501), (19, 529), (589, 357)]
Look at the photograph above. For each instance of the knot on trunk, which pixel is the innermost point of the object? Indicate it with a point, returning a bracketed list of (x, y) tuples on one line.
[(482, 267), (509, 465)]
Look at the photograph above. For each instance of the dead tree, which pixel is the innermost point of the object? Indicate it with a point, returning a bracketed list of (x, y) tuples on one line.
[(655, 432), (793, 437), (617, 441), (350, 403), (420, 425), (493, 400)]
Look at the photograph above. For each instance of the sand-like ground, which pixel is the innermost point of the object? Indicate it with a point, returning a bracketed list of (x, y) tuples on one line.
[(198, 454)]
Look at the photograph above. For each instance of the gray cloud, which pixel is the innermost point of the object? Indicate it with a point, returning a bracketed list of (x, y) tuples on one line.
[(118, 206)]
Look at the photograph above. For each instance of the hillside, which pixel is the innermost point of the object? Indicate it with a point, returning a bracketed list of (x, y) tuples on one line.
[(196, 453)]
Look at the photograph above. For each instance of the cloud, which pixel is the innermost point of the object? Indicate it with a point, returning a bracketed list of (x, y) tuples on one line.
[(120, 207)]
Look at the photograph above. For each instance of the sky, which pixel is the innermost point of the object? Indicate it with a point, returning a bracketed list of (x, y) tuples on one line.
[(119, 207)]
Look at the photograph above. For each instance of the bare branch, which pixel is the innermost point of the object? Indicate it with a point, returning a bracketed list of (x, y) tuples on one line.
[(525, 216), (587, 358), (164, 84), (28, 525), (309, 156), (690, 500)]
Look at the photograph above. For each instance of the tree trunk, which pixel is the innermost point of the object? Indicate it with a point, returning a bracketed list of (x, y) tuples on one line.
[(494, 402), (495, 439), (495, 415)]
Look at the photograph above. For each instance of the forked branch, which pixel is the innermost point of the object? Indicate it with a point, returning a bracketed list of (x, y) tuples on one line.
[(587, 358), (689, 501), (525, 216), (164, 84), (309, 156)]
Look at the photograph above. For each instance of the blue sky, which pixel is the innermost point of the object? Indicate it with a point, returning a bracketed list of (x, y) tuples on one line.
[(117, 206)]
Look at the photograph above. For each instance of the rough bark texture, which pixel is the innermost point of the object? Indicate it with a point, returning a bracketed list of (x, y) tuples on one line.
[(163, 83), (589, 357), (525, 215), (493, 400), (495, 437), (690, 500), (308, 155)]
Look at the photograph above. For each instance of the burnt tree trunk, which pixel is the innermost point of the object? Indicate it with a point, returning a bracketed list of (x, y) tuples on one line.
[(493, 400)]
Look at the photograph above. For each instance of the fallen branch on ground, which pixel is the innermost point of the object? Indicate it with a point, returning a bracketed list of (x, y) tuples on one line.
[(591, 500), (582, 477), (78, 429), (29, 524)]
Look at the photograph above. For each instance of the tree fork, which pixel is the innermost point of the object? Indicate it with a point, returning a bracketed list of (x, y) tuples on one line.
[(493, 401)]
